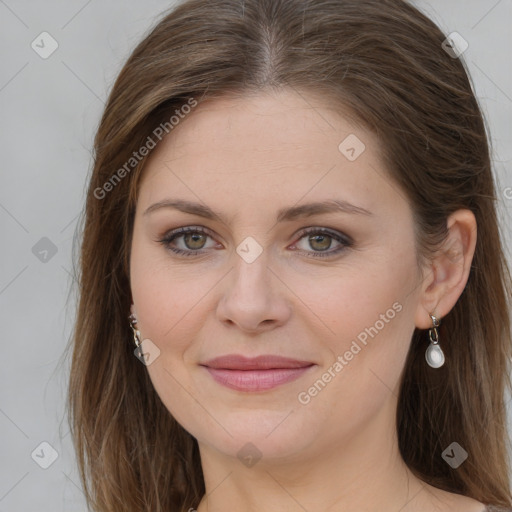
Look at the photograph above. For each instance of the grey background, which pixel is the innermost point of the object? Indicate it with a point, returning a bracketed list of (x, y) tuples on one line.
[(50, 109)]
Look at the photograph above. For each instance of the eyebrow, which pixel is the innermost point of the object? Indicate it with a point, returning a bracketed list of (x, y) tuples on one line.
[(284, 214)]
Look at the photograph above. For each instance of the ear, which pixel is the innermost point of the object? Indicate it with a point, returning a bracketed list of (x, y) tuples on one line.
[(447, 273)]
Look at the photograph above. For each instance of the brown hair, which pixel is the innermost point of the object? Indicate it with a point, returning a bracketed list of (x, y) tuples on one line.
[(382, 61)]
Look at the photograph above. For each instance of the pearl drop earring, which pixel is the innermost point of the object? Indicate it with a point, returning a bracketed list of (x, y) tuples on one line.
[(434, 355)]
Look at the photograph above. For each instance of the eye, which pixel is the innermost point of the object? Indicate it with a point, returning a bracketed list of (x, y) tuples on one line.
[(320, 240), (187, 241), (192, 241)]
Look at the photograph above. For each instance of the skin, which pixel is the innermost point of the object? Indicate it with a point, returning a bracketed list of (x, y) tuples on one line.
[(246, 158)]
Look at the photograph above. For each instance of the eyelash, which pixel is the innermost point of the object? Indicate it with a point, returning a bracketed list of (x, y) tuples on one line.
[(173, 235)]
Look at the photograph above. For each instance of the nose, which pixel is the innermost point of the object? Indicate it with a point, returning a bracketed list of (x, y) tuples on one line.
[(253, 298)]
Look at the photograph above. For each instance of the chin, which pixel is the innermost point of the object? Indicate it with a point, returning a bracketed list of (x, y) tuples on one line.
[(267, 435)]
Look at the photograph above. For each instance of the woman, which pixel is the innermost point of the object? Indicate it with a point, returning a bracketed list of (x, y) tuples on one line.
[(293, 294)]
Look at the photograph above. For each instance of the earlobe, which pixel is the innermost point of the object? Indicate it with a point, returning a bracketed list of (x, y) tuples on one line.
[(449, 269)]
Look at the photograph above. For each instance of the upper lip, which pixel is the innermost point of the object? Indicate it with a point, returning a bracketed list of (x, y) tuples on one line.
[(263, 362)]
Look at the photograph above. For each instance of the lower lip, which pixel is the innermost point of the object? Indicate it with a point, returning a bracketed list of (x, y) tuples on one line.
[(256, 380)]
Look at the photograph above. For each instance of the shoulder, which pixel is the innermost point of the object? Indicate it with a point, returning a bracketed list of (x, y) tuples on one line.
[(453, 502)]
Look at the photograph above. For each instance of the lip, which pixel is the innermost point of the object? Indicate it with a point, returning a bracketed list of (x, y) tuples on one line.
[(255, 374), (263, 362)]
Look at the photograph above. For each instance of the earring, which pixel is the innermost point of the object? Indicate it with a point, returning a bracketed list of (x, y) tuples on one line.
[(136, 332), (145, 350), (434, 355)]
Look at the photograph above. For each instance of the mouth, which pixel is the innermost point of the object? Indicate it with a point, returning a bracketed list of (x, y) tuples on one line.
[(255, 374)]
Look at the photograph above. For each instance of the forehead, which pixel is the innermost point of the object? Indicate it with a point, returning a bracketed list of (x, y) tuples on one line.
[(277, 146), (270, 121)]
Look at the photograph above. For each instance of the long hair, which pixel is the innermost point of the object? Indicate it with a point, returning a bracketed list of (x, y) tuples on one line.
[(383, 63)]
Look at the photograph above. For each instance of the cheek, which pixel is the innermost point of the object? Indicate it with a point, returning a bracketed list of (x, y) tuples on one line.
[(367, 319), (167, 296), (362, 299), (367, 354)]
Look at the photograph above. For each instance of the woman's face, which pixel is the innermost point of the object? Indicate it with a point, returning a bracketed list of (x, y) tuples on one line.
[(270, 268)]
